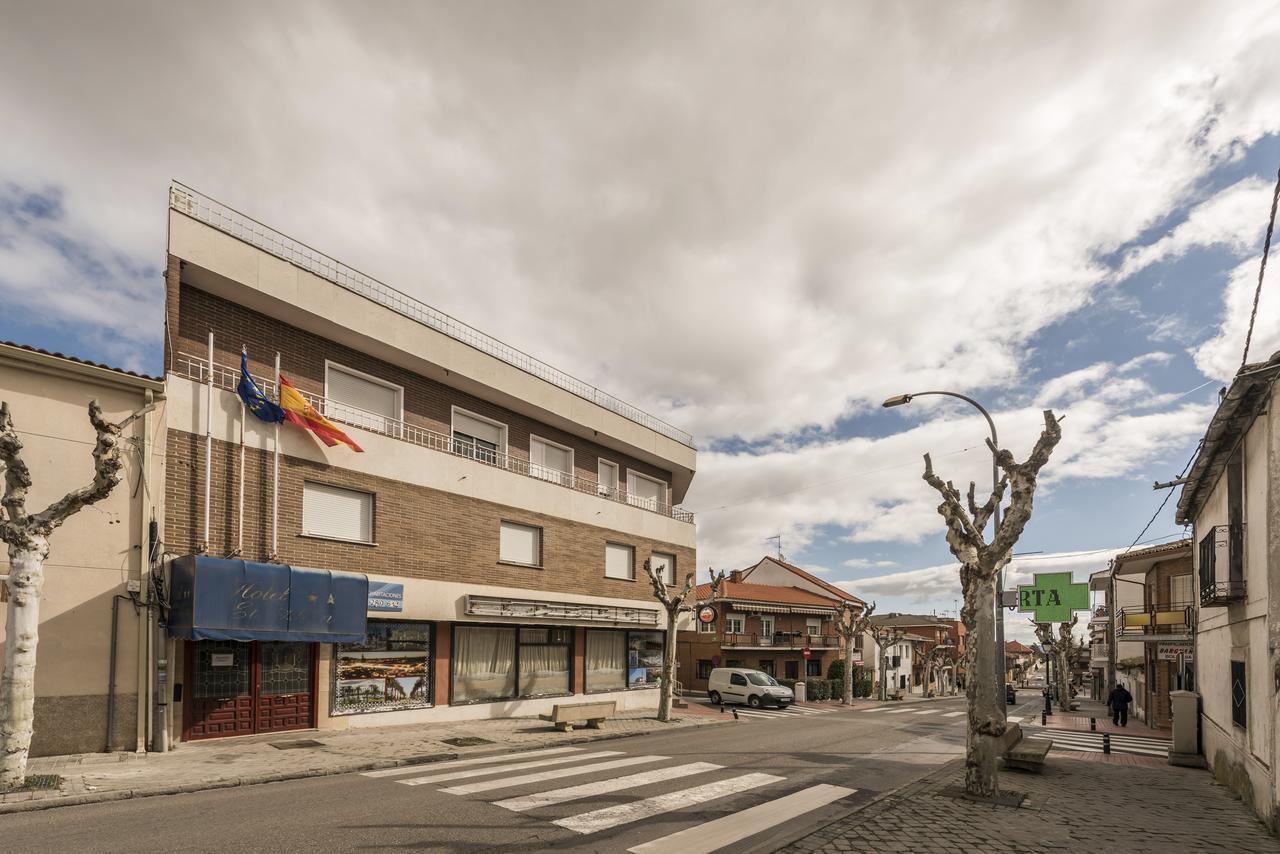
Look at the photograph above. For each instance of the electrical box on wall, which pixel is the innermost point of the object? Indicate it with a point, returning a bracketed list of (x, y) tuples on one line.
[(133, 586)]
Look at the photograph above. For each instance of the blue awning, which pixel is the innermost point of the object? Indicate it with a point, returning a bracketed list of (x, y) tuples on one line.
[(217, 599)]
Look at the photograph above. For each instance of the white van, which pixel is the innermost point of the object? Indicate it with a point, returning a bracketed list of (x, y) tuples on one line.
[(741, 685)]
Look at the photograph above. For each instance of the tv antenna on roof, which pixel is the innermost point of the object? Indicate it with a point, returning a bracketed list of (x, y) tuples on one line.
[(777, 537)]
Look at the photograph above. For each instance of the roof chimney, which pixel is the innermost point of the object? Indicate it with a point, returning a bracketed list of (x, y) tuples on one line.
[(735, 576)]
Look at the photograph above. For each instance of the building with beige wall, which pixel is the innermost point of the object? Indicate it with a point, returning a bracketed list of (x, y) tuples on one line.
[(501, 511), (1232, 500), (98, 557)]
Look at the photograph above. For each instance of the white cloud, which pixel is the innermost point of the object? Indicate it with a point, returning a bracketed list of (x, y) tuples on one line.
[(749, 222), (1219, 357), (867, 563)]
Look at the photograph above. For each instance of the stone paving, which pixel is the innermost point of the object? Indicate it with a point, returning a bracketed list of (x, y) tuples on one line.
[(220, 763), (1072, 806)]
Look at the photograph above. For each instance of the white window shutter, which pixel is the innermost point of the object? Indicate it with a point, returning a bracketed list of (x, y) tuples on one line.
[(619, 561), (331, 511), (360, 401), (520, 544), (464, 423)]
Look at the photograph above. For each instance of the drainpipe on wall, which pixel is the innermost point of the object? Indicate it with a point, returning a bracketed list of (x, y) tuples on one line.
[(143, 664), (1112, 642)]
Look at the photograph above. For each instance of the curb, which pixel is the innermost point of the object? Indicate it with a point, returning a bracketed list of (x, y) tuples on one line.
[(257, 779)]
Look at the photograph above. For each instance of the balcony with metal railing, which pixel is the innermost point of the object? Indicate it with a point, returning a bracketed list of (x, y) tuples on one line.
[(1221, 557), (231, 222), (225, 377), (780, 640), (1156, 622)]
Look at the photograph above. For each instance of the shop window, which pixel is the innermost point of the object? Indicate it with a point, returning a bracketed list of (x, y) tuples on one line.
[(484, 663), (545, 656), (390, 671), (812, 667), (619, 561), (704, 668), (520, 544), (623, 659), (337, 513), (644, 658)]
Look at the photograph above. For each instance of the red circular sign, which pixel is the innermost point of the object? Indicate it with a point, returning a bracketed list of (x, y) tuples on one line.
[(706, 614), (806, 652)]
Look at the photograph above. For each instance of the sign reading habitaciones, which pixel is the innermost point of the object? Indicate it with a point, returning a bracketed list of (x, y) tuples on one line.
[(1053, 598)]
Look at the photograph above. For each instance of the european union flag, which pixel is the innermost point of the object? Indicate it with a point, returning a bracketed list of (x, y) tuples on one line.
[(254, 400)]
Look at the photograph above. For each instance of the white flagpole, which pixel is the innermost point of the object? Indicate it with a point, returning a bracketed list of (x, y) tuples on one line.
[(208, 441), (275, 477), (240, 510)]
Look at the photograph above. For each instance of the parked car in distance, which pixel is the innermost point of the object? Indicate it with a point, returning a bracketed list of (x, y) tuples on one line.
[(1010, 694), (752, 687)]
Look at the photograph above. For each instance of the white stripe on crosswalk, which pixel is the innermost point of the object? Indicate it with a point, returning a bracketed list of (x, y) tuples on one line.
[(805, 711), (503, 769), (1092, 742), (927, 712), (760, 713), (901, 711), (554, 774), (604, 787), (952, 714), (714, 835), (875, 709), (603, 819), (438, 766)]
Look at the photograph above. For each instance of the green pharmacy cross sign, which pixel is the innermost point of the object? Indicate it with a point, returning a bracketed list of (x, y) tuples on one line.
[(1053, 598)]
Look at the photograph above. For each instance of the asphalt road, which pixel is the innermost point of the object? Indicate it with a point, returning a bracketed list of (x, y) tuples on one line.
[(758, 762)]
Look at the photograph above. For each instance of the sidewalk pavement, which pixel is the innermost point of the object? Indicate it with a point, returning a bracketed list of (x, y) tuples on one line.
[(222, 763), (1072, 806)]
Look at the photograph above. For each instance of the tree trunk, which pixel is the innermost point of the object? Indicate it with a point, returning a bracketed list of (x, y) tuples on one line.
[(884, 674), (986, 706), (18, 685), (848, 671), (668, 670)]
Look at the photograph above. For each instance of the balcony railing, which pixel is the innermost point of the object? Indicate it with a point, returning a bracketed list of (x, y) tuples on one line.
[(1155, 621), (782, 640), (229, 221), (226, 377), (1221, 553)]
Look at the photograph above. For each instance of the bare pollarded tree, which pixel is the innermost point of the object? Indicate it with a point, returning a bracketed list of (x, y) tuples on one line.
[(674, 605), (980, 563), (851, 622), (885, 637), (1060, 648), (936, 663), (27, 536)]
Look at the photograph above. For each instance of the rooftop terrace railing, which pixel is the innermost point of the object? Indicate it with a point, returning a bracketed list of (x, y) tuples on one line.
[(242, 227), (226, 377)]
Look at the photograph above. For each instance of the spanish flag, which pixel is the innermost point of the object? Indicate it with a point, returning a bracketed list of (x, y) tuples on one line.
[(297, 410)]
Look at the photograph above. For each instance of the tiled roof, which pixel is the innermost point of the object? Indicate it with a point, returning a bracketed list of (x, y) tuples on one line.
[(58, 355), (813, 579), (1015, 646), (769, 593), (909, 620), (1153, 551)]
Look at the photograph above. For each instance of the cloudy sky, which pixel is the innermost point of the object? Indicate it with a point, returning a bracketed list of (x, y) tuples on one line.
[(755, 219)]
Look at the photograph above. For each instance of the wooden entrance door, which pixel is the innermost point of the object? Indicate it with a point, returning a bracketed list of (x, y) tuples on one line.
[(245, 688)]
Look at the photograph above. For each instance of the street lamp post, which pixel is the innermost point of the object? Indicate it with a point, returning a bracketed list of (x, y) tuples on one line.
[(999, 651)]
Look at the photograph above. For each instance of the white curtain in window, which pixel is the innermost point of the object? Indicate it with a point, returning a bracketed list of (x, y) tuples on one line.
[(544, 669), (484, 663), (606, 661)]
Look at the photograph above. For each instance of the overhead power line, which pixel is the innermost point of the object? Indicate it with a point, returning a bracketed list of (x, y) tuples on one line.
[(1266, 249)]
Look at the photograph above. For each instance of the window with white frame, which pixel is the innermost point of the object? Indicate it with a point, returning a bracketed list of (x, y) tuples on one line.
[(619, 561), (363, 400), (665, 564), (337, 512), (550, 461), (766, 628), (644, 491), (607, 477), (520, 544), (734, 624), (814, 626), (478, 437), (707, 628)]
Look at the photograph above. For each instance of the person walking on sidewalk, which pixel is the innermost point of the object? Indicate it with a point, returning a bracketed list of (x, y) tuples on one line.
[(1119, 701)]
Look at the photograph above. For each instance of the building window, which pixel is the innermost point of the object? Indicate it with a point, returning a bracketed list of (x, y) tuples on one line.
[(1239, 695), (520, 544), (337, 513), (390, 671), (644, 491), (766, 631), (812, 667), (733, 624), (622, 659), (360, 399), (766, 666), (619, 561), (484, 663), (665, 564), (545, 655), (607, 478), (550, 461), (477, 437), (704, 668), (814, 626), (706, 628), (791, 670)]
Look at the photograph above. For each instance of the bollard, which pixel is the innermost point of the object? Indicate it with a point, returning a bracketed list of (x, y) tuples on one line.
[(1106, 742), (1093, 724), (1044, 719)]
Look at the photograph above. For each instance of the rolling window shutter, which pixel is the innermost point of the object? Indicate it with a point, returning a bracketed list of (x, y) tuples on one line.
[(519, 544), (463, 423), (330, 511), (618, 561), (360, 401), (664, 564)]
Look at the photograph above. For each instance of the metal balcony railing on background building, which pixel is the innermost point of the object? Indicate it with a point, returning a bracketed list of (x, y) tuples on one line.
[(242, 227), (1221, 554), (226, 377), (1156, 622), (780, 640)]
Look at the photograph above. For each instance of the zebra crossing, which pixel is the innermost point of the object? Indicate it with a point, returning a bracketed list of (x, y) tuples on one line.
[(792, 711), (1091, 742), (696, 783)]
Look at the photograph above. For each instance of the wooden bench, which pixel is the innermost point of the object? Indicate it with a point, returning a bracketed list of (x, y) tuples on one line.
[(1026, 754), (565, 715)]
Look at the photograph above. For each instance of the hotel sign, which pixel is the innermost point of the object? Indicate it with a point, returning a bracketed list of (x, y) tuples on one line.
[(499, 606), (386, 597)]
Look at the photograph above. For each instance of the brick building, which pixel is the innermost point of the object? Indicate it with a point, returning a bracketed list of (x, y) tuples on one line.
[(498, 518), (773, 617)]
